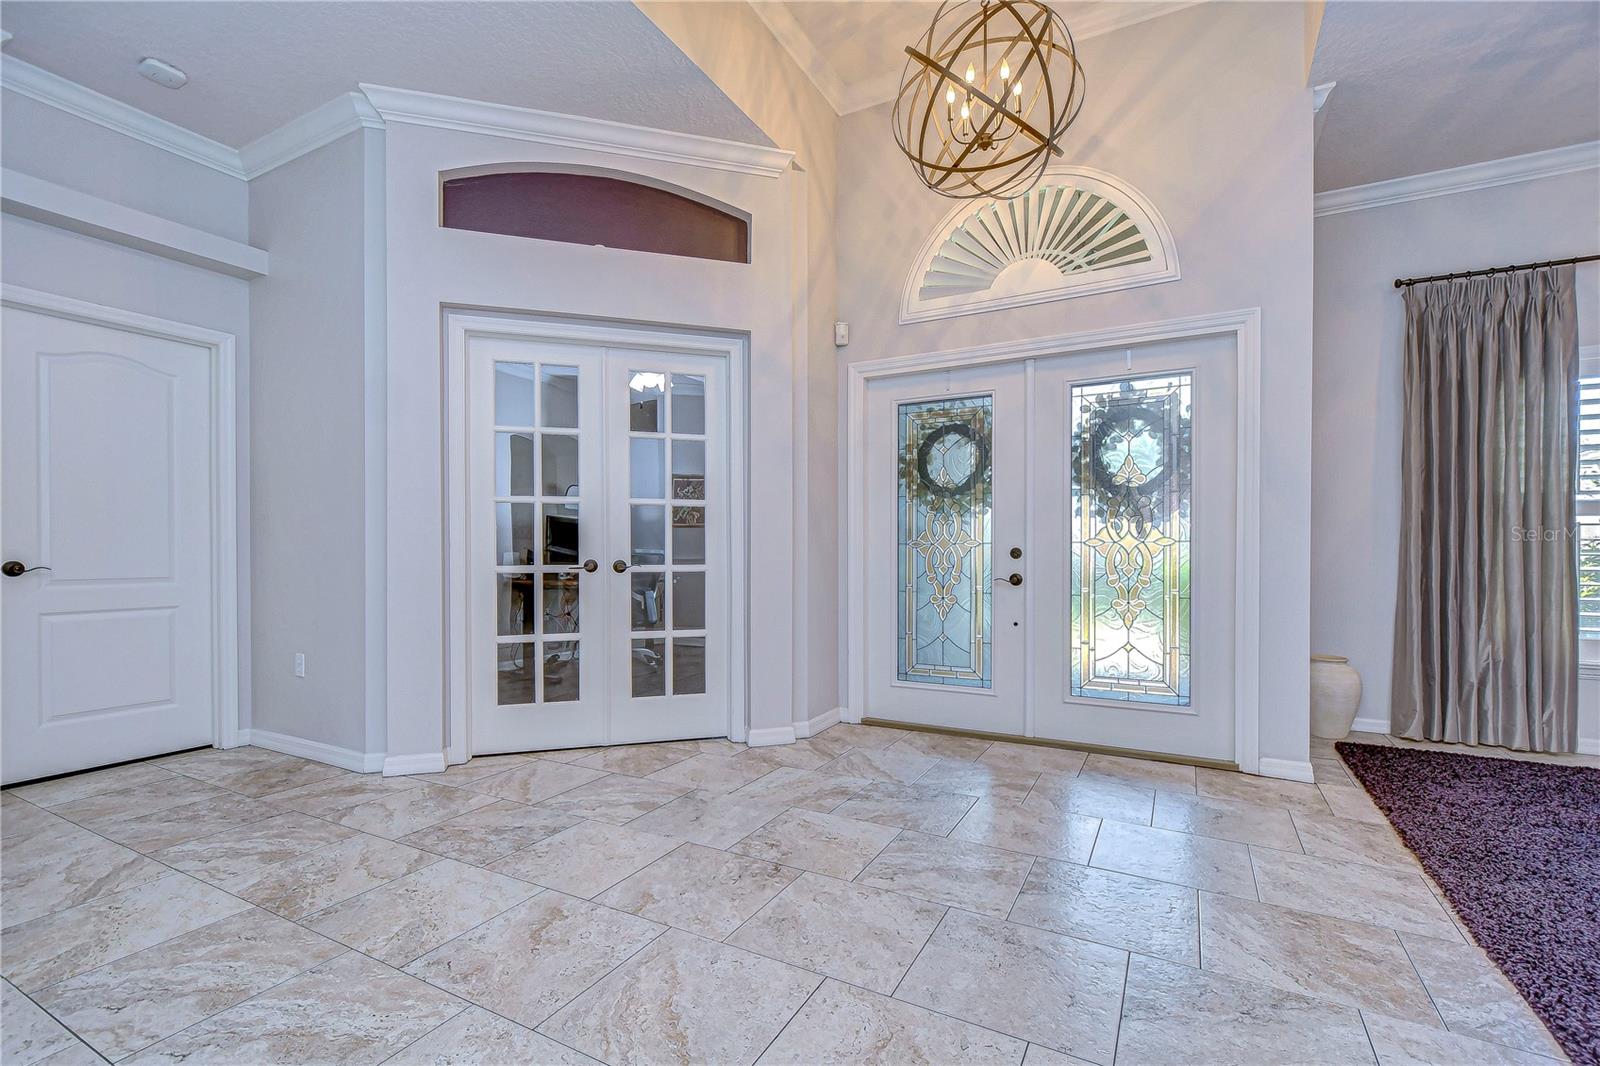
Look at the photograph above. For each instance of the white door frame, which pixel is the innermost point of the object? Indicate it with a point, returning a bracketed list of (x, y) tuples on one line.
[(459, 324), (1245, 326), (225, 621)]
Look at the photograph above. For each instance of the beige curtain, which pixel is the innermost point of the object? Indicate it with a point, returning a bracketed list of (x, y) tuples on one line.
[(1485, 644)]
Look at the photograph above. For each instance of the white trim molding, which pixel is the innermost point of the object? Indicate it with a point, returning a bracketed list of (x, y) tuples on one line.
[(766, 738), (226, 620), (34, 198), (323, 125), (1487, 175), (1017, 217), (38, 84), (368, 762), (410, 107), (431, 762), (1370, 725), (1245, 326), (1287, 769), (810, 727)]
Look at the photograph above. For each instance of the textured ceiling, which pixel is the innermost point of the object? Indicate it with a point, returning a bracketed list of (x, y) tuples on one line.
[(254, 66), (855, 52), (1438, 83)]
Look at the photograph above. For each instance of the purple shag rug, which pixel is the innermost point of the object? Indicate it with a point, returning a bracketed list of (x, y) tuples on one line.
[(1516, 848)]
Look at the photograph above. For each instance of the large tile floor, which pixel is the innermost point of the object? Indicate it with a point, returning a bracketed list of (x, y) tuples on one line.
[(864, 895)]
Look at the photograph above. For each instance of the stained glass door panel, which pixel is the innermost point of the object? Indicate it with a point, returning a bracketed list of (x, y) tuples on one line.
[(944, 541), (1131, 478)]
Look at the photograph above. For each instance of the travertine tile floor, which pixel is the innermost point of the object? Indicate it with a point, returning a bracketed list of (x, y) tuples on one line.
[(864, 895)]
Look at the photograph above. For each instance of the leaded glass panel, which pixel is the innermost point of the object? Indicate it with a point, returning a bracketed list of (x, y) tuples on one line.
[(1131, 478), (944, 542)]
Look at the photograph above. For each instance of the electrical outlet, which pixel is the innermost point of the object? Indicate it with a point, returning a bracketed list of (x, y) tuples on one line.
[(299, 664)]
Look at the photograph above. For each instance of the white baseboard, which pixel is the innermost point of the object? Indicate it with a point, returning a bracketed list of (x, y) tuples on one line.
[(762, 738), (368, 762), (817, 723), (1287, 769), (1370, 725), (431, 762)]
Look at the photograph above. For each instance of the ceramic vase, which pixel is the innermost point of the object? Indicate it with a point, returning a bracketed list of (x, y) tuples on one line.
[(1335, 695)]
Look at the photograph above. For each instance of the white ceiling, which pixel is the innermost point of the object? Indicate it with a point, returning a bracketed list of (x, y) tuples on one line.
[(855, 52), (1428, 84), (254, 66)]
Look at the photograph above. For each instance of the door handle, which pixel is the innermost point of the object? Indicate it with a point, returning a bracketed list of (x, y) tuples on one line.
[(589, 566), (12, 568), (1014, 579), (620, 567)]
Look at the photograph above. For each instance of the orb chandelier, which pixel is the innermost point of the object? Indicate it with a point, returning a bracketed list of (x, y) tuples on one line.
[(986, 96)]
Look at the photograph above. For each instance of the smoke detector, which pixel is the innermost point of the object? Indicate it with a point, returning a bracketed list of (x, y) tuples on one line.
[(162, 73)]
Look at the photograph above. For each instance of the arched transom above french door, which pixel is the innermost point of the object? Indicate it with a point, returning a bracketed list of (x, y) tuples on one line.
[(1079, 231)]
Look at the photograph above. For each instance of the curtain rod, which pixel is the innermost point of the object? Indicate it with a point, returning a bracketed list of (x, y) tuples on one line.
[(1401, 283)]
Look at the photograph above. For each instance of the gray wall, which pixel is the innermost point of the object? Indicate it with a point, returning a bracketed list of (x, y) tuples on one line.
[(308, 406), (1359, 333), (1206, 112)]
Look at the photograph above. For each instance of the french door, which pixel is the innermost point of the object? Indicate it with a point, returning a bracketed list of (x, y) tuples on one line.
[(599, 529), (1050, 548)]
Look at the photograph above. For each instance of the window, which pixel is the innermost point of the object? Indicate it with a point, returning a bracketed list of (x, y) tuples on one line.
[(592, 209), (1079, 232), (1589, 510)]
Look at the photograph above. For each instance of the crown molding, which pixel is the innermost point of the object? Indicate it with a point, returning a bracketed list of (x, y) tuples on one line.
[(323, 125), (1486, 175), (410, 107), (25, 79), (847, 99)]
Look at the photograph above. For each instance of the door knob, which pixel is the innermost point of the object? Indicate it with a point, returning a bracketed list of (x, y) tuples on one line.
[(12, 568), (620, 567), (589, 566), (1014, 579)]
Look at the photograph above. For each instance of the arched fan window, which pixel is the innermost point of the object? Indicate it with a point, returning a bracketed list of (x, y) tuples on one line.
[(1077, 232)]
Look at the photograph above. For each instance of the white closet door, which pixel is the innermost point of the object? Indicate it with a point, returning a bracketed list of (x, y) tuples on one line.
[(107, 483)]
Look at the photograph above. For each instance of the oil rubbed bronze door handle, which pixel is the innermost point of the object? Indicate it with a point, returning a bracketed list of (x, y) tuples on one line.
[(12, 568), (589, 566), (1014, 579), (620, 567)]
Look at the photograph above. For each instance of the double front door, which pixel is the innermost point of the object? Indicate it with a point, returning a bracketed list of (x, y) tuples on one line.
[(599, 529), (1050, 548)]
